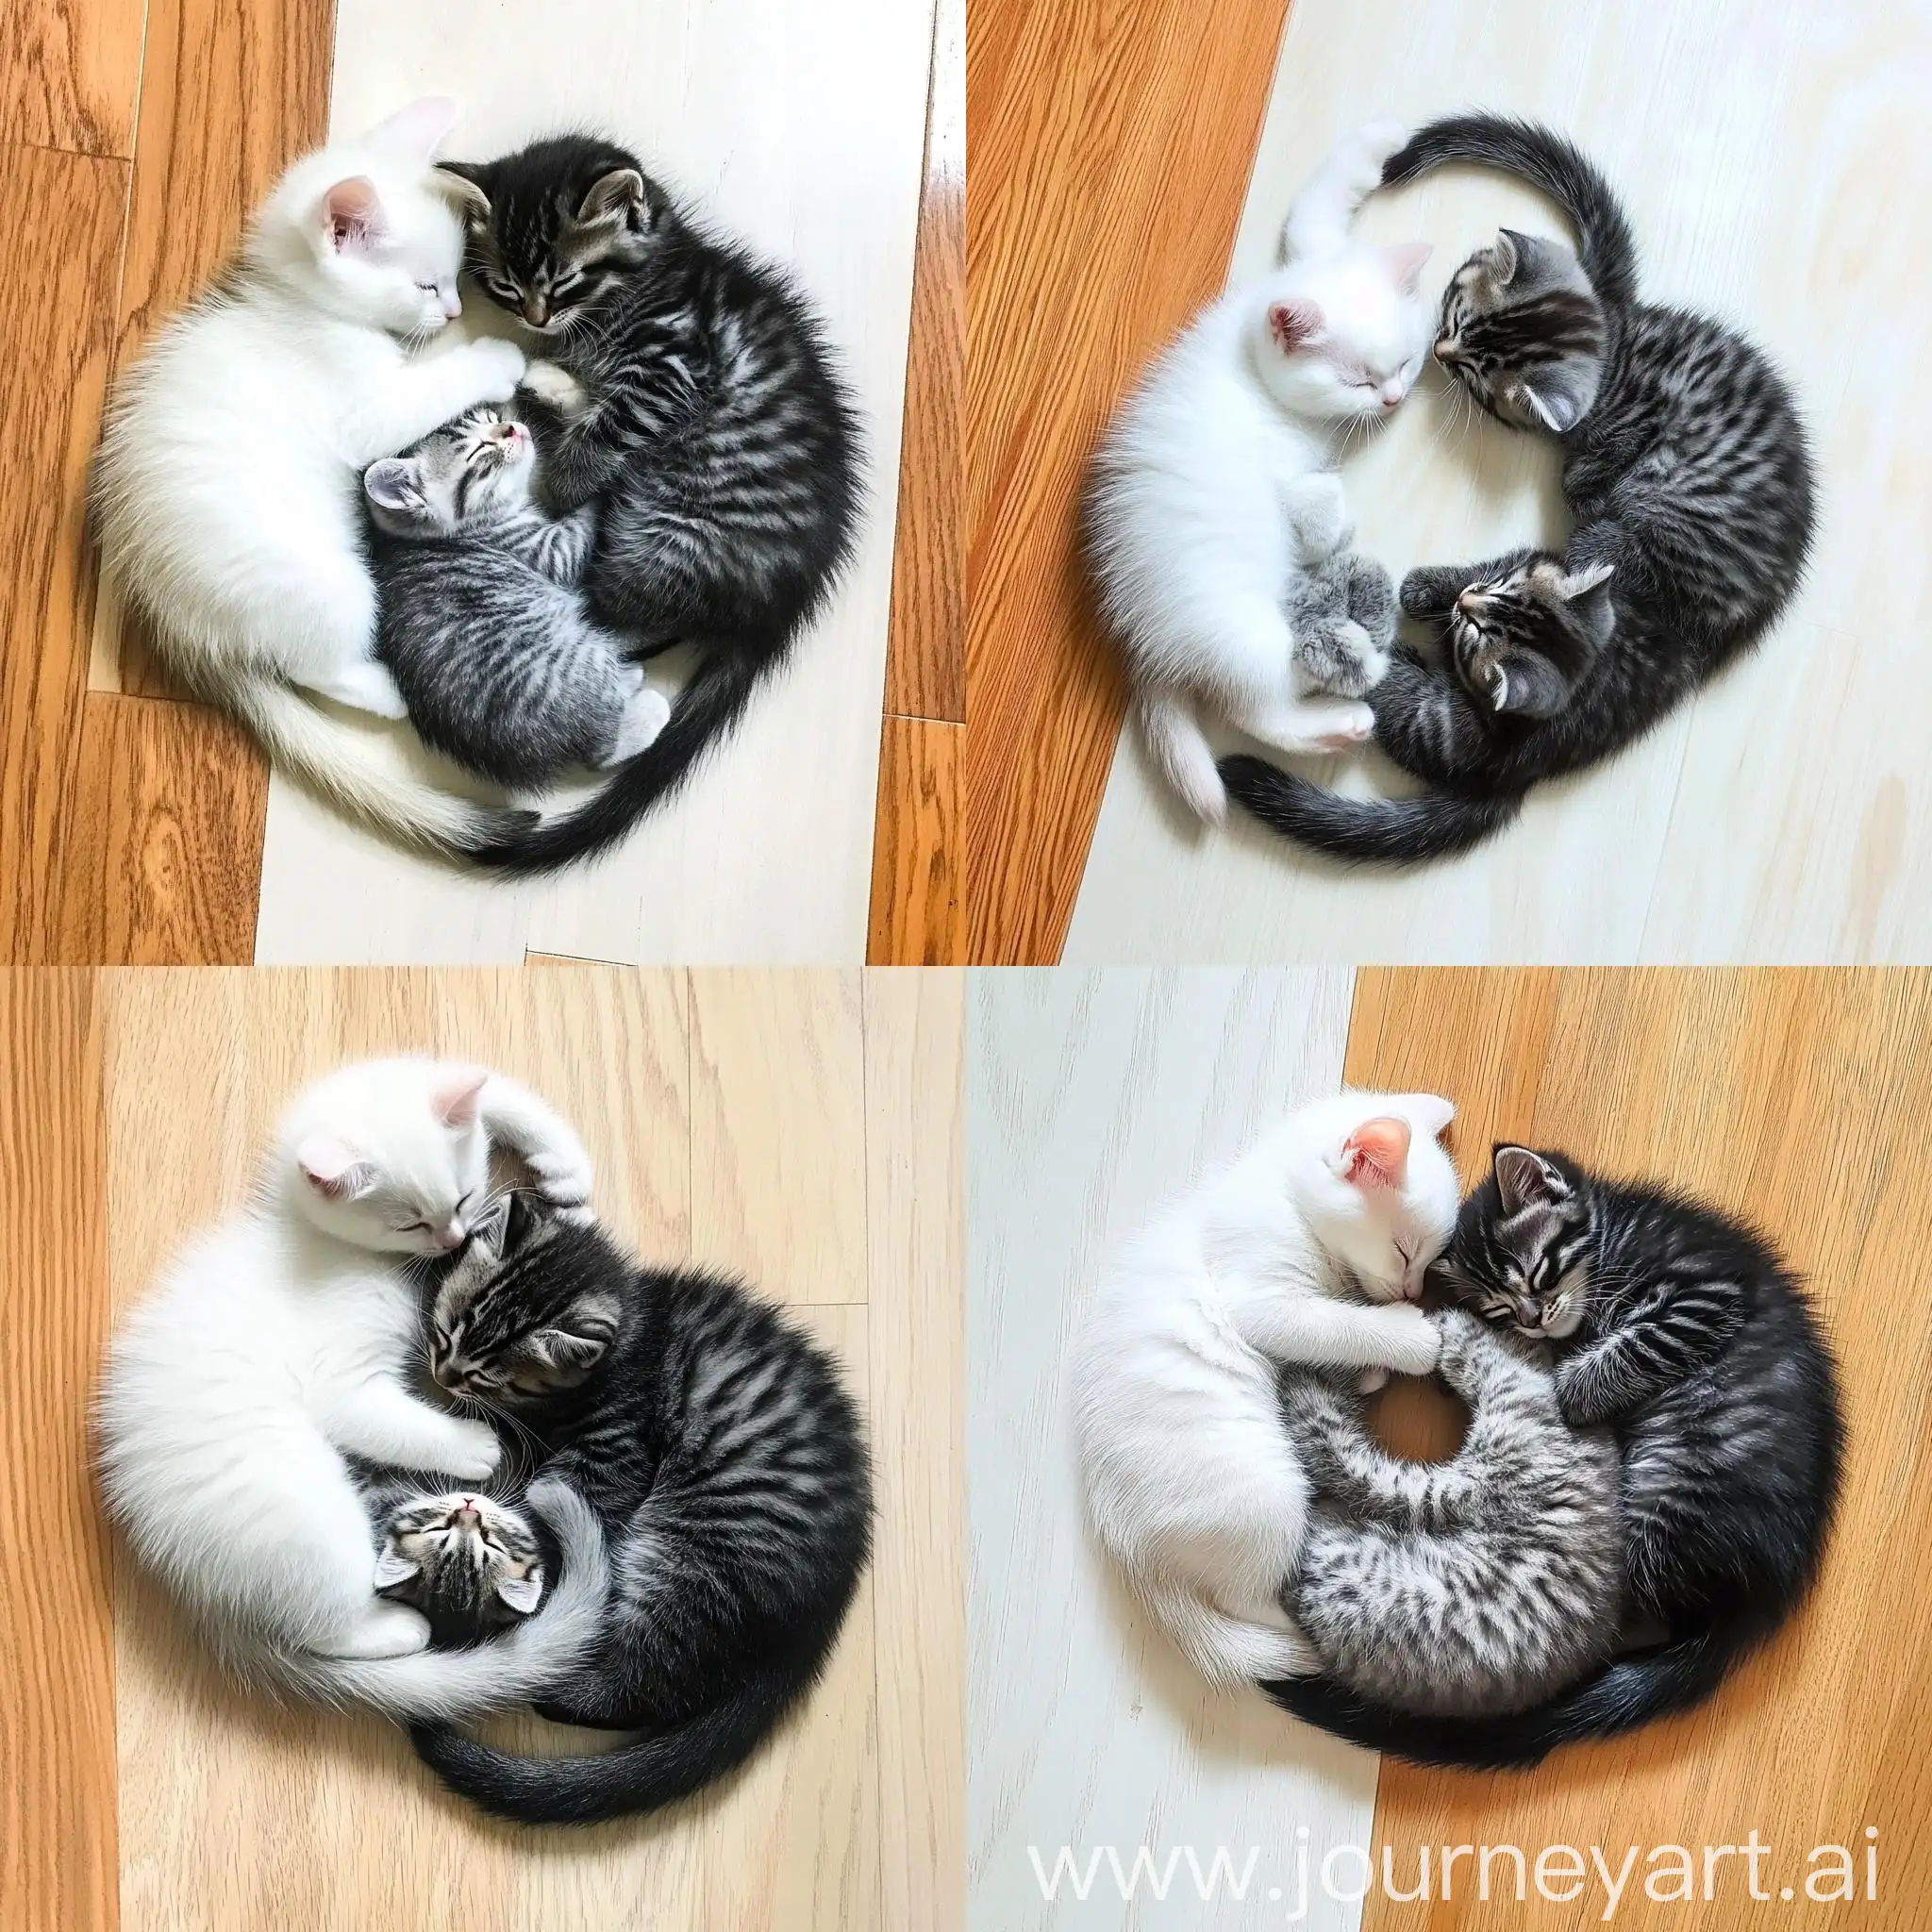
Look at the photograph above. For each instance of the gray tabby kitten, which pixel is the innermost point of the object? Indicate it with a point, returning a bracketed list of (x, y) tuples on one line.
[(1467, 1587), (482, 622)]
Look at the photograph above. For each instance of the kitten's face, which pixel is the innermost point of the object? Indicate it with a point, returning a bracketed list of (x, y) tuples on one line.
[(393, 1158), (1379, 1191), (1520, 641), (1522, 332), (558, 225), (1521, 1256), (528, 1310), (468, 473), (468, 1563), (1344, 342)]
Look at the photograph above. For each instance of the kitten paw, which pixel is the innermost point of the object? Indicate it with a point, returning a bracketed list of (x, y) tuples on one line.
[(644, 716), (1318, 511), (564, 1176), (1356, 727), (1378, 140), (1414, 1343), (1369, 1380), (366, 687), (1424, 593), (499, 368), (474, 1454), (551, 383)]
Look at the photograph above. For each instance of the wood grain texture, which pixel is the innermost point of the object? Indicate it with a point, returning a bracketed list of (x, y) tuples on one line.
[(235, 1815), (1793, 1098), (59, 236), (918, 908), (72, 70), (1110, 147), (57, 1666)]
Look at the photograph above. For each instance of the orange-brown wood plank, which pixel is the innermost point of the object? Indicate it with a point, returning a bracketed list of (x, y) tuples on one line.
[(918, 915), (57, 1860), (69, 70), (1112, 141), (1796, 1099)]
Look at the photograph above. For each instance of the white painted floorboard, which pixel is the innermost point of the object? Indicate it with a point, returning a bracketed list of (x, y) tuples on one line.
[(801, 129), (1094, 1098), (1772, 158)]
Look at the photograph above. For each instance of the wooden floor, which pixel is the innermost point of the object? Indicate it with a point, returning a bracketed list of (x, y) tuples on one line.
[(1793, 1098), (802, 1127)]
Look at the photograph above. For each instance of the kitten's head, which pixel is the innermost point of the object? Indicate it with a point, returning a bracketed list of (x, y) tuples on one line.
[(1376, 1186), (368, 229), (558, 224), (469, 472), (530, 1308), (1522, 332), (468, 1563), (1522, 640), (1344, 338), (1521, 1253), (390, 1155)]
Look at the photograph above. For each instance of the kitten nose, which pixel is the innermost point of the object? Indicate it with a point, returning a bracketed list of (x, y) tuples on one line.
[(452, 305), (1468, 601), (536, 311), (1390, 396), (450, 1238)]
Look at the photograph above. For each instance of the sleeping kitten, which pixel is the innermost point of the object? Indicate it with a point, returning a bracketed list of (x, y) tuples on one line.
[(471, 1564), (503, 667), (1522, 1520), (1216, 487), (280, 1342), (225, 493), (701, 408), (718, 1446), (1308, 1249), (1684, 1334), (1687, 474)]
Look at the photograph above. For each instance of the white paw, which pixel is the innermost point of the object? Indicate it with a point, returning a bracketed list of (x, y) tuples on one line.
[(550, 382), (370, 688), (564, 1176), (1378, 140), (1413, 1342), (1369, 1380), (499, 368), (645, 715), (1319, 510), (1356, 726), (476, 1453)]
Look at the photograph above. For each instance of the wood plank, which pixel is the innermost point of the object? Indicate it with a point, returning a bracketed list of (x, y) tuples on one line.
[(71, 72), (163, 853), (918, 909), (60, 219), (1112, 144), (57, 1662), (1793, 1098), (915, 1263)]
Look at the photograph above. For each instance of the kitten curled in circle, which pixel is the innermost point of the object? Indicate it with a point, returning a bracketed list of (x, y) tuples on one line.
[(1682, 1333), (695, 399), (1311, 1248), (718, 1446), (1689, 478), (1215, 493), (484, 625), (283, 1343)]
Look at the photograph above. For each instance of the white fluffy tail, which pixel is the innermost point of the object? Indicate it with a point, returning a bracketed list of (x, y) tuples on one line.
[(1186, 758), (451, 1685), (361, 773), (1318, 224), (1225, 1649)]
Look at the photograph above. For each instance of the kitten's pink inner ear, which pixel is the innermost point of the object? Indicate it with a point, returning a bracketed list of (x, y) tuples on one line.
[(455, 1102), (1405, 261), (327, 1164), (351, 214), (1375, 1154), (1295, 325)]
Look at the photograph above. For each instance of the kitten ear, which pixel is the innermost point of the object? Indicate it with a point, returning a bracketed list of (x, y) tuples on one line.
[(351, 215), (1431, 1112), (454, 1102), (1377, 1153), (392, 1567), (394, 489), (465, 184), (1525, 1179), (522, 1593), (568, 1356), (1296, 324), (1528, 684), (1506, 257), (1405, 261), (1556, 409), (419, 129), (334, 1169), (618, 196)]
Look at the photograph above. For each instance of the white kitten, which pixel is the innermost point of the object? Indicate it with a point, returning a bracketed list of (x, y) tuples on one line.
[(227, 493), (1309, 1249), (1215, 482), (283, 1339)]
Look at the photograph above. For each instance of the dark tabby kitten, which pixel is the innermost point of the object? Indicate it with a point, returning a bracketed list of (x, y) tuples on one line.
[(703, 414), (481, 622), (1686, 1335), (725, 1462), (1688, 475)]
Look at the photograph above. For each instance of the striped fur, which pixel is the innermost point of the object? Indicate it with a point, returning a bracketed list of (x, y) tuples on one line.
[(717, 1445), (1689, 476)]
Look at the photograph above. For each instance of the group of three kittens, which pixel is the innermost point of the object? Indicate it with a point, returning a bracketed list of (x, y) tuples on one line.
[(664, 1500), (1643, 1493), (307, 501), (1219, 531)]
